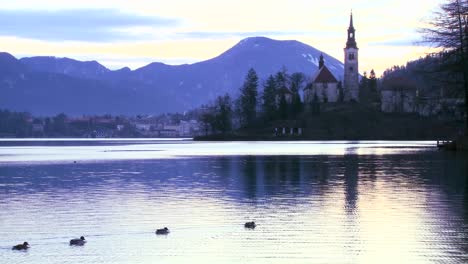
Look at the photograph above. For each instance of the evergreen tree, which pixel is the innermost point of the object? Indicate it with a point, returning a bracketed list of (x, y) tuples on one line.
[(315, 104), (372, 84), (60, 125), (281, 79), (207, 119), (364, 89), (269, 99), (283, 107), (248, 99), (297, 83), (223, 117), (340, 92)]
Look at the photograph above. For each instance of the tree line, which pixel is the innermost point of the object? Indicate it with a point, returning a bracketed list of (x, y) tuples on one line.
[(278, 100)]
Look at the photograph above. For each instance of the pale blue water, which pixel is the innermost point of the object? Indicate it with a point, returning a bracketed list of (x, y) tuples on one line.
[(313, 202)]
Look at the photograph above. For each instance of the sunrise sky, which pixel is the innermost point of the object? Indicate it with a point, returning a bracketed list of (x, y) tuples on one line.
[(135, 33)]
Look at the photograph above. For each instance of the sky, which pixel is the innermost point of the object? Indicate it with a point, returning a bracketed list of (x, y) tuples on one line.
[(135, 33)]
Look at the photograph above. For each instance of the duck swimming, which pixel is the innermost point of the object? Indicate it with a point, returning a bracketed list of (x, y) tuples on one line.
[(78, 241), (162, 231), (23, 246), (250, 225)]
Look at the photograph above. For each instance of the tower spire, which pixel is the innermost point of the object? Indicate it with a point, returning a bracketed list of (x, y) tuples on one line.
[(351, 67), (321, 61), (351, 43)]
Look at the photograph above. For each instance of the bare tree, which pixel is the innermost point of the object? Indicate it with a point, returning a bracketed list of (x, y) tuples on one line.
[(448, 30)]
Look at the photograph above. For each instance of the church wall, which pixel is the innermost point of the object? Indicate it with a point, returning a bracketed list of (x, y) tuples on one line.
[(323, 90)]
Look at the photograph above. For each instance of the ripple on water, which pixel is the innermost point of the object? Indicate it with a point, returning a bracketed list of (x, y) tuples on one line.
[(407, 207)]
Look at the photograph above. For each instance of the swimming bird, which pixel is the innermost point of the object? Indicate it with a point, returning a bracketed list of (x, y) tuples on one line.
[(23, 246), (162, 231), (78, 241), (251, 225)]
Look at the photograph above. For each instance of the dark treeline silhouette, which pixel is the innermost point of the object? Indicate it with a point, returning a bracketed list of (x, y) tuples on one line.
[(278, 99), (275, 107), (23, 124)]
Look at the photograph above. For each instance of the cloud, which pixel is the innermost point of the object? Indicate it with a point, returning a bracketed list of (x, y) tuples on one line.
[(89, 25), (221, 35), (399, 43)]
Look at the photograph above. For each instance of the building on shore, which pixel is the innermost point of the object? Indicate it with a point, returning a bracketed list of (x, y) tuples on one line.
[(324, 86)]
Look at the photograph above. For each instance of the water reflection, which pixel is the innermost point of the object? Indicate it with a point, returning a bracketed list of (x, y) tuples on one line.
[(350, 208)]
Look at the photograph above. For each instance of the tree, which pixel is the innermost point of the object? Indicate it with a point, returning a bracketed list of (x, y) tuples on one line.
[(207, 119), (297, 83), (372, 84), (223, 117), (217, 117), (281, 79), (248, 99), (364, 89), (283, 107), (269, 99), (340, 92), (60, 125), (449, 31)]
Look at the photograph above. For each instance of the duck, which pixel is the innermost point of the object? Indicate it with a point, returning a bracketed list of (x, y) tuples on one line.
[(162, 231), (78, 241), (251, 225), (23, 246)]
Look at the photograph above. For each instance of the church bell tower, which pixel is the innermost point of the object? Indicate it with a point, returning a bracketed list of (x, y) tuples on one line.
[(351, 66)]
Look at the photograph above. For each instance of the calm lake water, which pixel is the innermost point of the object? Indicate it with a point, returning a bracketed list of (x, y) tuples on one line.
[(313, 202)]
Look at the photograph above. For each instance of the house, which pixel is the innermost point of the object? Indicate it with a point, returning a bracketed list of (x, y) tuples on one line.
[(189, 128), (324, 86), (143, 126), (38, 127), (398, 95)]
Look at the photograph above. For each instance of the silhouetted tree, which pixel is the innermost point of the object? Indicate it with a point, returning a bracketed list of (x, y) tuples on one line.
[(223, 116), (283, 107), (297, 83), (60, 126), (372, 84), (340, 92), (364, 89), (315, 104), (449, 31), (248, 99), (269, 99)]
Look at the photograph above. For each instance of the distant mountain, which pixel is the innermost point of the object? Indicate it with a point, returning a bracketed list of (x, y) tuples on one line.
[(74, 68), (49, 85), (10, 65)]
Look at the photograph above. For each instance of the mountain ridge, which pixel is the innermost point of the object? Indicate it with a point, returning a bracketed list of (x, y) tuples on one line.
[(153, 88)]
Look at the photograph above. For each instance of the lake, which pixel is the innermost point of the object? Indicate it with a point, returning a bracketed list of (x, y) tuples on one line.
[(313, 202)]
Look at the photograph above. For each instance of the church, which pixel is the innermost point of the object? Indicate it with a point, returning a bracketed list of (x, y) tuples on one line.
[(325, 88)]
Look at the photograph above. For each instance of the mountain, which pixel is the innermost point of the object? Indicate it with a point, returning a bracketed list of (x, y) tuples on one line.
[(10, 65), (79, 69), (49, 85)]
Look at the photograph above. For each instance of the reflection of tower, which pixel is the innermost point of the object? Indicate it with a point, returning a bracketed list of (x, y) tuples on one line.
[(351, 66), (351, 182)]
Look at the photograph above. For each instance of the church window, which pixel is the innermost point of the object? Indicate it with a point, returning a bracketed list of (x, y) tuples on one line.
[(351, 69), (351, 56)]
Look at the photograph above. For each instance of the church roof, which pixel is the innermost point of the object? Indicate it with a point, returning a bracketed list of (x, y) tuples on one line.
[(325, 76)]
